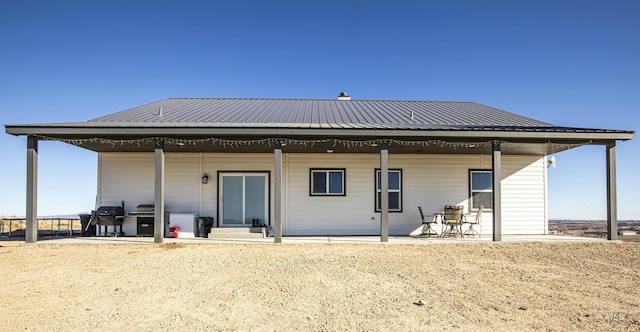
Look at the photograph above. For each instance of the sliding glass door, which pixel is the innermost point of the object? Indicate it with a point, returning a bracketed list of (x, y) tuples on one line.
[(244, 198)]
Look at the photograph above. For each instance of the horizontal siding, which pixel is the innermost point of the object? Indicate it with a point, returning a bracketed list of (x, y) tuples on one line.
[(331, 215), (429, 181), (127, 177), (130, 177), (433, 181), (523, 195), (182, 183)]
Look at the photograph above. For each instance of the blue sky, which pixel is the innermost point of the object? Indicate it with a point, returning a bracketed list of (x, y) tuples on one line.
[(569, 63)]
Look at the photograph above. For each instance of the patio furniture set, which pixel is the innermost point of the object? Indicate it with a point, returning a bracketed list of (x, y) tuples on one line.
[(451, 220)]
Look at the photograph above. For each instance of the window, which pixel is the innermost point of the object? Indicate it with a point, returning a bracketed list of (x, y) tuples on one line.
[(327, 182), (395, 190), (480, 189)]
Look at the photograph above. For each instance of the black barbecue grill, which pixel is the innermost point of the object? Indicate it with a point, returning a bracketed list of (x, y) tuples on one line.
[(145, 217), (110, 216)]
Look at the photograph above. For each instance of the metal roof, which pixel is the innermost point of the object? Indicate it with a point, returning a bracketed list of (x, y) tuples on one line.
[(319, 113), (437, 124)]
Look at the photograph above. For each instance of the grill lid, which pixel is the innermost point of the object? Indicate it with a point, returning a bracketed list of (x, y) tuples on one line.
[(145, 207), (110, 211)]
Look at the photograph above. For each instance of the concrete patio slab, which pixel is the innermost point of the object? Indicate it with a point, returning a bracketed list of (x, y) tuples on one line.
[(318, 240)]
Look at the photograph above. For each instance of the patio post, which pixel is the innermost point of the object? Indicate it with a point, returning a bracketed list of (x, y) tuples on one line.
[(496, 174), (612, 206), (31, 233), (277, 193), (384, 192), (158, 220)]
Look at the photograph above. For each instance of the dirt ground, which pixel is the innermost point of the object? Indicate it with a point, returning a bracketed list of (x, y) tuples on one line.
[(359, 287)]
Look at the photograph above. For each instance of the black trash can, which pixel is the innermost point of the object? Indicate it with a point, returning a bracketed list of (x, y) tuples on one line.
[(87, 228), (204, 226), (199, 227)]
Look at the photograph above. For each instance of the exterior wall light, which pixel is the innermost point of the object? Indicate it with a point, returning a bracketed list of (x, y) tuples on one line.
[(205, 178)]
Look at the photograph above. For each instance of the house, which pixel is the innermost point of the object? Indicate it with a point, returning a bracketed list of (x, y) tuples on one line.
[(323, 167)]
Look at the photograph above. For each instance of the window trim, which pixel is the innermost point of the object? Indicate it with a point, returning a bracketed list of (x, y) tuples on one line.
[(375, 190), (471, 191), (327, 170)]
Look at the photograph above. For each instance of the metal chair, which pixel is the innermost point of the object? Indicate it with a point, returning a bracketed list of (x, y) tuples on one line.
[(453, 219), (427, 230), (478, 221)]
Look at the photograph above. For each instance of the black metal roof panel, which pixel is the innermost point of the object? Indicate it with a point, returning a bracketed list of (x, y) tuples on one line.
[(321, 113)]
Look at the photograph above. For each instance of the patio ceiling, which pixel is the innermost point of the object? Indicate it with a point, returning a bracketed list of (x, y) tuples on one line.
[(238, 145), (114, 137)]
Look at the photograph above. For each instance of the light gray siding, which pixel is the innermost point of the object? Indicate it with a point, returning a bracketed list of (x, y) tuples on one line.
[(524, 195), (331, 215), (430, 181), (125, 177), (130, 177)]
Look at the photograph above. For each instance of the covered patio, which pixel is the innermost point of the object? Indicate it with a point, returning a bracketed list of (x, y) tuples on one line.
[(165, 132)]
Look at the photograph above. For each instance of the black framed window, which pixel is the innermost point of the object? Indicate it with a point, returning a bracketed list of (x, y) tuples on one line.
[(481, 189), (395, 190), (327, 182)]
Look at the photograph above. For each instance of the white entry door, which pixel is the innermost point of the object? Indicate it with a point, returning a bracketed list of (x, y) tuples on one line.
[(243, 198)]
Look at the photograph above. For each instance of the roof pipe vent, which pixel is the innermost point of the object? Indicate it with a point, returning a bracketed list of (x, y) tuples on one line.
[(344, 96)]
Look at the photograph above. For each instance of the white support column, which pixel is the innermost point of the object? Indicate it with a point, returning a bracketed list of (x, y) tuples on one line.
[(31, 234), (612, 205), (277, 192), (384, 192), (159, 222), (496, 173)]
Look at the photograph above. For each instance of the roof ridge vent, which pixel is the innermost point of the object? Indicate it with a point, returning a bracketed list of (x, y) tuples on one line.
[(344, 96)]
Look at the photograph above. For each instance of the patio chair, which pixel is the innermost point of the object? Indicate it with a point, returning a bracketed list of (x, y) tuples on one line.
[(453, 219), (478, 221), (427, 230)]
